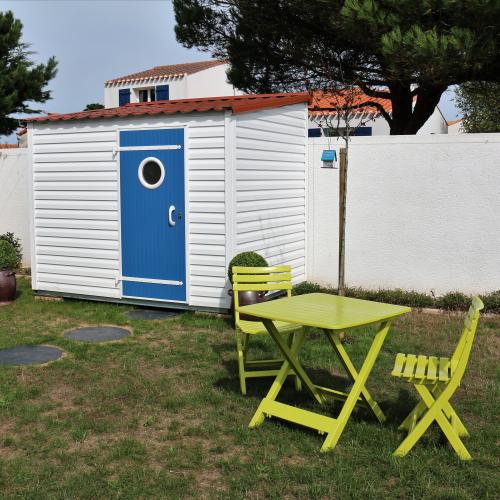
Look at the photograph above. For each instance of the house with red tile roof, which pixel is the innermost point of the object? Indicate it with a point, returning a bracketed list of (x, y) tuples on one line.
[(326, 112), (170, 82), (208, 79)]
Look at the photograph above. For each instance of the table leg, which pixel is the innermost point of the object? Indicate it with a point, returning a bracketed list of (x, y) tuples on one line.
[(291, 363), (359, 384), (353, 374), (292, 359)]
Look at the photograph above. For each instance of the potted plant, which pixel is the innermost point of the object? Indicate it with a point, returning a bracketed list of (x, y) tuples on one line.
[(246, 259), (8, 264)]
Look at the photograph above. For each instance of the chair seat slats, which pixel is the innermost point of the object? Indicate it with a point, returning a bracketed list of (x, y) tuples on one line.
[(398, 365), (422, 369), (421, 366), (411, 361), (444, 369), (432, 368), (257, 328)]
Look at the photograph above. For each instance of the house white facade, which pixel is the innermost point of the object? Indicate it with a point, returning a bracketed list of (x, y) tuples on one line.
[(456, 127), (177, 81)]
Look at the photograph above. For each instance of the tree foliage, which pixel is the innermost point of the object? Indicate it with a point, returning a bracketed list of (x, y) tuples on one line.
[(479, 102), (409, 51), (21, 80), (93, 105)]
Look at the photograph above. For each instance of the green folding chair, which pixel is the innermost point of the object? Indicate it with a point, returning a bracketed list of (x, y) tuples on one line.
[(436, 379), (260, 279)]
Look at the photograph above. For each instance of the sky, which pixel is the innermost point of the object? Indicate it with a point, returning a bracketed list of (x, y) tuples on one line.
[(97, 40)]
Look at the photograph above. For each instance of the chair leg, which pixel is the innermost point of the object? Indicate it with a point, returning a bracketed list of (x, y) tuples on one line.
[(453, 418), (411, 420), (443, 422), (241, 362), (434, 412)]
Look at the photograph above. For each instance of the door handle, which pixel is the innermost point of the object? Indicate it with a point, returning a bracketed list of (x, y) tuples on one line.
[(171, 221)]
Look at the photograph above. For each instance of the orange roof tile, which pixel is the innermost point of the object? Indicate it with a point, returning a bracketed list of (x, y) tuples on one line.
[(325, 103), (452, 122), (171, 70), (237, 104), (8, 146)]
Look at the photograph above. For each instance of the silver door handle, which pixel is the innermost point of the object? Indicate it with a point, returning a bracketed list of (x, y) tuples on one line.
[(171, 221)]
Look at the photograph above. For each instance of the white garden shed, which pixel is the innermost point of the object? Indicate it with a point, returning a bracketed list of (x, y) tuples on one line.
[(148, 203)]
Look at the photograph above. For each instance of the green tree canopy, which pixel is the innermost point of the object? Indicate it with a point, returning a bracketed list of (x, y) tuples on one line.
[(480, 104), (93, 105), (21, 80), (409, 51)]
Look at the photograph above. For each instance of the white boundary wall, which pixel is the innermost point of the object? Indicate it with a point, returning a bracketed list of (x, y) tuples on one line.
[(15, 197), (423, 213)]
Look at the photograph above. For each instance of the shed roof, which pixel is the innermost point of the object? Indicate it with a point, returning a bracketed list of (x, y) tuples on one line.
[(168, 71), (237, 104)]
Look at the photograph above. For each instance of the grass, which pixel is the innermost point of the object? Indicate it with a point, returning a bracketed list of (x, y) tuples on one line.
[(159, 415)]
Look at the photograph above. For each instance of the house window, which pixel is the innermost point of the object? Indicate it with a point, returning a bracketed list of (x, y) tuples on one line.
[(146, 95)]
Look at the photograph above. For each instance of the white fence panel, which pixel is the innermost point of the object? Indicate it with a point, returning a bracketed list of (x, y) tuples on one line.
[(15, 197)]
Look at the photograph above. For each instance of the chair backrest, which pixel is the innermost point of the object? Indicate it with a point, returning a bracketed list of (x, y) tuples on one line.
[(260, 279), (461, 354)]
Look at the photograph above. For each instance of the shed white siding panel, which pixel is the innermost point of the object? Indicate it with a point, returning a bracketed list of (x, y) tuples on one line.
[(76, 206), (270, 161), (206, 204), (76, 223)]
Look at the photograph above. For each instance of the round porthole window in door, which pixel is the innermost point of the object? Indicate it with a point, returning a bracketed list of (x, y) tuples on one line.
[(151, 173)]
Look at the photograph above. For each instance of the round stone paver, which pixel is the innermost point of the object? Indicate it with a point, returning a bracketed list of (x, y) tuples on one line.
[(152, 314), (97, 334), (29, 355)]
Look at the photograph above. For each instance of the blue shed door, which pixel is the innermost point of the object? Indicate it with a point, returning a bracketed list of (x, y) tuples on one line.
[(152, 214)]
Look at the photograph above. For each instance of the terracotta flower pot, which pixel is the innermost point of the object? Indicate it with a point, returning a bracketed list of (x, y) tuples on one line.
[(245, 299), (7, 286)]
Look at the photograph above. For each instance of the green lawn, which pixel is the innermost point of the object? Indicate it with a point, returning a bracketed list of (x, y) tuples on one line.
[(160, 414)]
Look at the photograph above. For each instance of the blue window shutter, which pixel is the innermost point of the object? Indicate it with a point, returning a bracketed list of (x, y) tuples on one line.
[(314, 132), (123, 97), (363, 131), (162, 92)]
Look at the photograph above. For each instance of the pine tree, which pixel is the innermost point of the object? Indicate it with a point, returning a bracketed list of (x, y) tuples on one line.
[(21, 80), (405, 50)]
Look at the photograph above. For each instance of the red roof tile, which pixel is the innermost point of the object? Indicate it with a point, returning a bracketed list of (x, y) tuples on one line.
[(452, 122), (172, 70), (8, 146), (237, 104)]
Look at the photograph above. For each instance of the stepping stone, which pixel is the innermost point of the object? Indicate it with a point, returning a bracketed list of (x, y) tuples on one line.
[(97, 334), (29, 355), (152, 314)]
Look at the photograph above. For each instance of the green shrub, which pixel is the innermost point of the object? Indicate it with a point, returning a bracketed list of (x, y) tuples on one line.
[(306, 287), (491, 302), (246, 259), (8, 257), (454, 301), (16, 243), (397, 296)]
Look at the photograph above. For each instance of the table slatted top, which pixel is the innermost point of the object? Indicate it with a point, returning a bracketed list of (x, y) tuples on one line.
[(323, 310)]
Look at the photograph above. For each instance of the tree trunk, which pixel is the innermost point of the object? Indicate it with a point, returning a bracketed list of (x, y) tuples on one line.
[(406, 118)]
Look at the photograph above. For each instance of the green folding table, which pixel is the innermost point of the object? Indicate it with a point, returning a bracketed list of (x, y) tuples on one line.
[(332, 314)]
